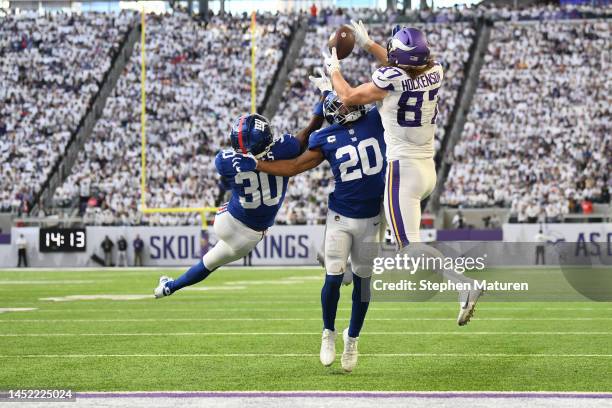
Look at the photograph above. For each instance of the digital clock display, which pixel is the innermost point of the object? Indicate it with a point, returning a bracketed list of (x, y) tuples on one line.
[(62, 240)]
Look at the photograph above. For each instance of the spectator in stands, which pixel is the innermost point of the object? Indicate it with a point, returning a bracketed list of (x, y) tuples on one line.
[(122, 257), (458, 220), (107, 247), (138, 245), (313, 14), (22, 247)]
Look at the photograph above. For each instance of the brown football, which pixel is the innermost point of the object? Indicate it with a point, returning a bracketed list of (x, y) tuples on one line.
[(344, 41)]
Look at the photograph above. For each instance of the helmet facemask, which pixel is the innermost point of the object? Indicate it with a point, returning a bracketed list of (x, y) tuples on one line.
[(337, 112)]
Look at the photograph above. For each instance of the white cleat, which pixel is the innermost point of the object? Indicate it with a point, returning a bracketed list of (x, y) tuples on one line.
[(328, 347), (467, 306), (161, 290), (350, 354)]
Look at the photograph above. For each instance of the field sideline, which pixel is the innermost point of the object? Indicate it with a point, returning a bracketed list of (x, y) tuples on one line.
[(259, 330)]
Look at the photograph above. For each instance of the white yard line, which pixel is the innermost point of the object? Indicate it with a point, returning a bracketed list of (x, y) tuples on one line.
[(386, 355), (226, 334), (301, 319)]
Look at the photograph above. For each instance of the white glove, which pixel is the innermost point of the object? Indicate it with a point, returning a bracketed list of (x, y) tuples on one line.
[(331, 62), (361, 34), (322, 82)]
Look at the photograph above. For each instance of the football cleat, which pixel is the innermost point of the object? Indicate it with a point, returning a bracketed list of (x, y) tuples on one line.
[(350, 354), (328, 347), (467, 306), (162, 290)]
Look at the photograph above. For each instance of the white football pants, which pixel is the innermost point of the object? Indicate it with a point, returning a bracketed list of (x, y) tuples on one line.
[(235, 240), (356, 237), (408, 182)]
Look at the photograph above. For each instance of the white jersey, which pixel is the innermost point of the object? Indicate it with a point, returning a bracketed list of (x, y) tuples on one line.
[(409, 111)]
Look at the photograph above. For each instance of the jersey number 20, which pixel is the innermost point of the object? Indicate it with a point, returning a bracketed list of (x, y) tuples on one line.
[(349, 169), (258, 195)]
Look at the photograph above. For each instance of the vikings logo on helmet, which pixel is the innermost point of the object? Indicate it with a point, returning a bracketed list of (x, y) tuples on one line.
[(408, 46)]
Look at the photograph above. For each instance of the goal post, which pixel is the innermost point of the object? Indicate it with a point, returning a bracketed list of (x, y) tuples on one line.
[(203, 211)]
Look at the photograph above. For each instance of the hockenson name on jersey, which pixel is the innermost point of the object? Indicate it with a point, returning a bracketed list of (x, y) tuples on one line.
[(422, 81)]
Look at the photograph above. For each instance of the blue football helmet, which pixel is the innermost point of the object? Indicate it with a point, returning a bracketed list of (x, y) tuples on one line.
[(252, 134), (337, 112)]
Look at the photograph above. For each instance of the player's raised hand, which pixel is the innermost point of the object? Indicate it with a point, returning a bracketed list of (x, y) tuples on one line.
[(331, 62), (244, 162), (361, 34), (322, 82)]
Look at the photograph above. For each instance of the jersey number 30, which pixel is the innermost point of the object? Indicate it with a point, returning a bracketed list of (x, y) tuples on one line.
[(254, 196), (349, 170)]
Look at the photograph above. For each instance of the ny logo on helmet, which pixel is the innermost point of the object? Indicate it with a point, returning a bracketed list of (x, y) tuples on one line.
[(260, 125)]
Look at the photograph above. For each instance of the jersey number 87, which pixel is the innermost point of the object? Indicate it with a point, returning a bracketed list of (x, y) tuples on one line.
[(416, 108)]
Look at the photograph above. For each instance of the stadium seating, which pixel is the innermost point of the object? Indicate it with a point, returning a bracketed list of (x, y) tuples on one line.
[(307, 193), (187, 123), (51, 66), (538, 133), (509, 154)]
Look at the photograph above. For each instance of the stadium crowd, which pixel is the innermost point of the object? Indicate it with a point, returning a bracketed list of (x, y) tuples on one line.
[(198, 81), (538, 138), (543, 156), (307, 192), (51, 66), (331, 16)]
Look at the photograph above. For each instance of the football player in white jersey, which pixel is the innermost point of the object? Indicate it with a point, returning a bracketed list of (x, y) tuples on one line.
[(406, 89)]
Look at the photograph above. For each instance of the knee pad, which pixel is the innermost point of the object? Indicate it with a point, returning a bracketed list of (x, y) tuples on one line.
[(334, 266)]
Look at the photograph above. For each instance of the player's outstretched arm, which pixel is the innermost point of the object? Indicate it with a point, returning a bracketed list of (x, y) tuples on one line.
[(323, 83), (361, 95), (316, 121), (306, 161), (363, 39)]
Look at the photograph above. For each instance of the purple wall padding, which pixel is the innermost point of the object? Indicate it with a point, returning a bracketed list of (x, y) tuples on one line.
[(5, 239), (470, 235)]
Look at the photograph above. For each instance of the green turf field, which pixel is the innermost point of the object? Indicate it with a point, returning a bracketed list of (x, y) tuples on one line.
[(259, 329)]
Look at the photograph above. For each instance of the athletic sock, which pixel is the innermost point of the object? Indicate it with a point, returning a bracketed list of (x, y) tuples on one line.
[(195, 274), (361, 292), (330, 294)]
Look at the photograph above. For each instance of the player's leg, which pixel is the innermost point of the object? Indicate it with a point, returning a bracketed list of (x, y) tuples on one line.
[(235, 241), (337, 248), (408, 182), (363, 251)]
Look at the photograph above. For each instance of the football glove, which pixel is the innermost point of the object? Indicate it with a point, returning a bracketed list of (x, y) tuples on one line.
[(361, 34), (246, 162), (322, 83), (331, 62)]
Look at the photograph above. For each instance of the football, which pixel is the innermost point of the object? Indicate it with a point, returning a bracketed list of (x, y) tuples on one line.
[(344, 41)]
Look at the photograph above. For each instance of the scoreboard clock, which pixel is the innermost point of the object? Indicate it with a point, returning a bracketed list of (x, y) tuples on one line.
[(62, 240)]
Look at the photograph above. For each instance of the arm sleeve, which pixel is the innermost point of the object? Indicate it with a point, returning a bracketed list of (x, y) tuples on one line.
[(384, 76), (292, 147), (316, 141), (221, 164)]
